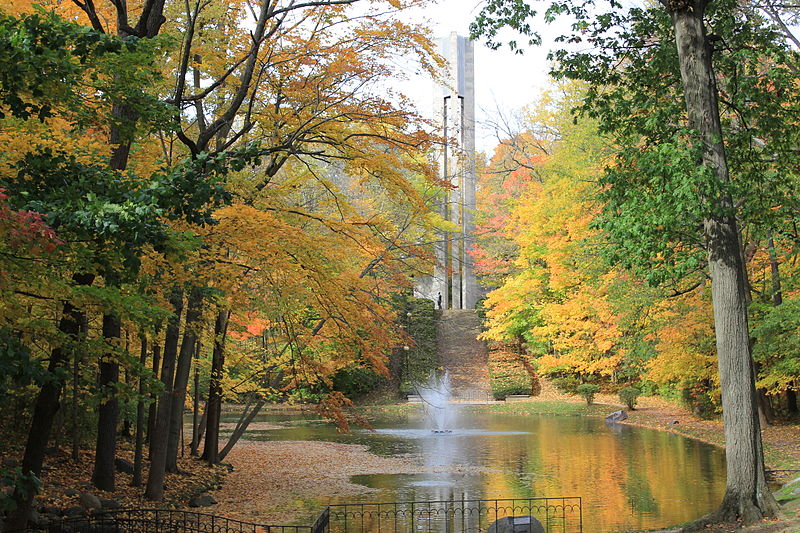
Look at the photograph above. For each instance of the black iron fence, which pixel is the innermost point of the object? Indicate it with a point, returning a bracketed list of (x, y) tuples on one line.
[(159, 521), (556, 515)]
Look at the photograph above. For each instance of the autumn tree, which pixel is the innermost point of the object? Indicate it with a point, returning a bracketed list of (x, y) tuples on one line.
[(106, 218), (510, 171), (560, 299)]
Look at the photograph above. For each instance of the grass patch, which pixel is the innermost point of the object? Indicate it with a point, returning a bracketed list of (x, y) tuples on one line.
[(787, 494), (548, 407)]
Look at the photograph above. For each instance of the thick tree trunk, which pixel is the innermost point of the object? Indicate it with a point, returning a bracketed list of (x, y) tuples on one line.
[(108, 412), (138, 447), (747, 496), (194, 311), (158, 441), (45, 410), (211, 448)]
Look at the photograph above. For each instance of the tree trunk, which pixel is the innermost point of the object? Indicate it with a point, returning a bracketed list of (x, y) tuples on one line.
[(747, 496), (766, 416), (44, 411), (196, 401), (791, 401), (241, 427), (154, 490), (201, 429), (108, 412), (137, 449), (777, 293), (76, 379), (194, 312), (151, 411), (211, 448), (58, 429)]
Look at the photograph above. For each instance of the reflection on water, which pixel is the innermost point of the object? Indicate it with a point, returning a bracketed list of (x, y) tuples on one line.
[(629, 478)]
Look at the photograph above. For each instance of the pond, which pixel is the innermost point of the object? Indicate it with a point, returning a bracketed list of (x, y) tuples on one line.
[(628, 477)]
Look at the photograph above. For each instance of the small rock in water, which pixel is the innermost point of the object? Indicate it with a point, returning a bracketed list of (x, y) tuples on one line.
[(617, 416)]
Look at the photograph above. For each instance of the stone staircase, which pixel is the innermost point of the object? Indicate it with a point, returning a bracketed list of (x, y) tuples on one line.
[(464, 356)]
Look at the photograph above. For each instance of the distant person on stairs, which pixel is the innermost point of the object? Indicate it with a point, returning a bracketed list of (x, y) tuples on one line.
[(439, 300)]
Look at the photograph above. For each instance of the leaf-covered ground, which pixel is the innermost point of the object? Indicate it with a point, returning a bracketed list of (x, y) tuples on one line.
[(63, 480), (274, 482)]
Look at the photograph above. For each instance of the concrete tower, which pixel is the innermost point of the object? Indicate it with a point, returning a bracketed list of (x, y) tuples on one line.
[(454, 104)]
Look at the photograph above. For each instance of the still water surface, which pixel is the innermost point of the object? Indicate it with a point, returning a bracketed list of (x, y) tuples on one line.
[(629, 478)]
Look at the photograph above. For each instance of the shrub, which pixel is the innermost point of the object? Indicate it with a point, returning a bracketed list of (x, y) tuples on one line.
[(567, 384), (305, 395), (507, 375), (629, 395), (702, 400), (588, 390), (422, 357), (501, 390), (355, 381), (536, 385)]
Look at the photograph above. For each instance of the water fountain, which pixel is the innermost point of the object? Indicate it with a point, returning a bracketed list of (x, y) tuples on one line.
[(437, 396)]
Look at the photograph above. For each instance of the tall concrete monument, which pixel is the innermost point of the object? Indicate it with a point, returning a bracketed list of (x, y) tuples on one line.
[(454, 105)]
